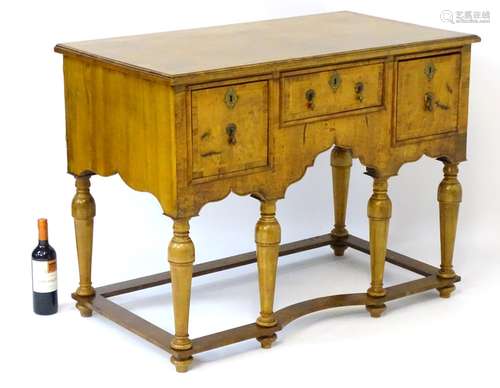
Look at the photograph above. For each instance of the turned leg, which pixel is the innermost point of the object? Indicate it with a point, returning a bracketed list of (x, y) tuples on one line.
[(379, 213), (267, 238), (181, 258), (83, 211), (449, 197), (341, 161)]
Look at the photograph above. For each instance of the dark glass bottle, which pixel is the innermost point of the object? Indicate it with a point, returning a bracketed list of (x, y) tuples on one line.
[(44, 273)]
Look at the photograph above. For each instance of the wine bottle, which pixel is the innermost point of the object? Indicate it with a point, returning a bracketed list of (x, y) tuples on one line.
[(44, 273)]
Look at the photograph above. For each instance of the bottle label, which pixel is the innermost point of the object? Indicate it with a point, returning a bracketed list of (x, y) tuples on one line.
[(44, 275)]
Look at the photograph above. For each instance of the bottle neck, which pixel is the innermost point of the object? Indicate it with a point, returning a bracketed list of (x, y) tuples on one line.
[(43, 230), (43, 243)]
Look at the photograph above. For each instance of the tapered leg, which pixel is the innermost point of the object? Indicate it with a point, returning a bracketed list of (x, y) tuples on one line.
[(83, 211), (449, 197), (267, 238), (181, 258), (379, 214), (341, 161)]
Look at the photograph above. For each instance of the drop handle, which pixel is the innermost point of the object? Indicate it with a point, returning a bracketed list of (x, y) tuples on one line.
[(231, 133), (310, 95), (359, 87), (430, 101)]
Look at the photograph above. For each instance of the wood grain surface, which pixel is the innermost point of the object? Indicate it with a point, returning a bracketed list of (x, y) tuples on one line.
[(203, 49)]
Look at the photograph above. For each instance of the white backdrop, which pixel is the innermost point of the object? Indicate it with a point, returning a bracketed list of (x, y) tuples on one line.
[(420, 340)]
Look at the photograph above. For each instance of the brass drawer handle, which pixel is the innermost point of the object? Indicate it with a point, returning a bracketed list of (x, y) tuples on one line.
[(310, 95), (358, 90), (231, 133), (430, 102), (335, 81)]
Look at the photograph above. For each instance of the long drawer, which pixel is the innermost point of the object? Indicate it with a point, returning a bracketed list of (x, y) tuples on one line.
[(322, 93)]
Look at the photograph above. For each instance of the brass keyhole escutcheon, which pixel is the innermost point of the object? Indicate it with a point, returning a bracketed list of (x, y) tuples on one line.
[(358, 90), (231, 133), (335, 81), (230, 98), (429, 70), (310, 95)]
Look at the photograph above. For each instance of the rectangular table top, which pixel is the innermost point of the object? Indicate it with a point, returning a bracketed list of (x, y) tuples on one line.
[(183, 52)]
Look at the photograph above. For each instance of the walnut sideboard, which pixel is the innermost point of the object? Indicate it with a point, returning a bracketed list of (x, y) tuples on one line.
[(191, 116)]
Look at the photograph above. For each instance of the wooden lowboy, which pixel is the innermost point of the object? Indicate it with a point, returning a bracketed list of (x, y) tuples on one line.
[(193, 115)]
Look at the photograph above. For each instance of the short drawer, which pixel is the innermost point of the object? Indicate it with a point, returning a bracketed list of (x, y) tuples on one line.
[(229, 129), (428, 91), (324, 93)]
